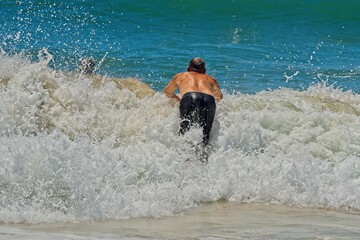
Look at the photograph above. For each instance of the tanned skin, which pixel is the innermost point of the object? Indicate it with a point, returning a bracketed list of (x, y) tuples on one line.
[(193, 81)]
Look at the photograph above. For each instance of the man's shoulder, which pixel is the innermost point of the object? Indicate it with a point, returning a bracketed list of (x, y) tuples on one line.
[(209, 77), (181, 74)]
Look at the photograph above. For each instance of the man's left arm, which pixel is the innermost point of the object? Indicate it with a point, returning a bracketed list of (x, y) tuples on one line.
[(171, 88)]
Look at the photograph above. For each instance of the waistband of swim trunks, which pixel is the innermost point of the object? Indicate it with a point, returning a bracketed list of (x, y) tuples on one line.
[(188, 93)]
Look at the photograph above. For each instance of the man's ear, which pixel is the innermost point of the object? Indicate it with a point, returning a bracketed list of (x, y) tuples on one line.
[(188, 69)]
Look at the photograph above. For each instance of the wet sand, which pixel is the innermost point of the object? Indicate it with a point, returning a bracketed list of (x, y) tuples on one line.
[(220, 220)]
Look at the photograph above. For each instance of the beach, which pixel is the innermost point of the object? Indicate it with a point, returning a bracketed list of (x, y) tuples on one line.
[(97, 155), (219, 220)]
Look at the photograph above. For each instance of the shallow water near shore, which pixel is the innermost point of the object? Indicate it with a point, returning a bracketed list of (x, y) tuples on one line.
[(221, 220)]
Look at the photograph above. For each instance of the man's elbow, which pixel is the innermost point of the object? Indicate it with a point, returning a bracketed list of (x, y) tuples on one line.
[(167, 93), (219, 96)]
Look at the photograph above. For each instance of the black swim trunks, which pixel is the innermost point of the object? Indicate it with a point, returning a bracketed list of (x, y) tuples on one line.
[(197, 108)]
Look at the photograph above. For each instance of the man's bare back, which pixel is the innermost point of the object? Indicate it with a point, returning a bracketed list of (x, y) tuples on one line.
[(193, 82)]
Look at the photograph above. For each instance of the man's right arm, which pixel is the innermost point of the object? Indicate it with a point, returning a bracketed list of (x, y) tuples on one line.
[(217, 91)]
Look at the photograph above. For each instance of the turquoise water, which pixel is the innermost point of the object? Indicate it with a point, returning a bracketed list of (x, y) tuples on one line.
[(249, 45)]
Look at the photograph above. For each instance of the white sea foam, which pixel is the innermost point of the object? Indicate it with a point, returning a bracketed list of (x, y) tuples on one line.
[(72, 149)]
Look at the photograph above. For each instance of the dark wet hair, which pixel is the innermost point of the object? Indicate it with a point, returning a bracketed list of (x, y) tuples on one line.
[(197, 65), (87, 66)]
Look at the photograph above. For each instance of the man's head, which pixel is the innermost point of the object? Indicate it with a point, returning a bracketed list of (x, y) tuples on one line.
[(197, 65), (87, 66)]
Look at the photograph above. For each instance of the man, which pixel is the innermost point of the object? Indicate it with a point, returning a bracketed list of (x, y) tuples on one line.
[(198, 92)]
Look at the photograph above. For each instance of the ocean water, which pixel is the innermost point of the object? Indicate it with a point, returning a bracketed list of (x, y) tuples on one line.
[(249, 45), (76, 148)]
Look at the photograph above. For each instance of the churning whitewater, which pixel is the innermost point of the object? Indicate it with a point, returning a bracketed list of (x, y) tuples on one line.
[(76, 147)]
